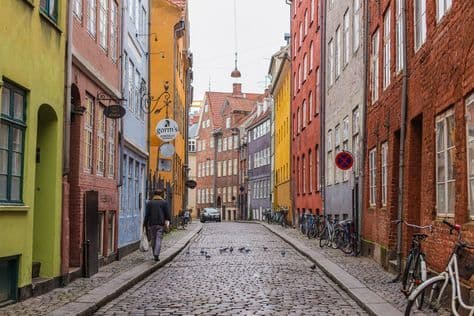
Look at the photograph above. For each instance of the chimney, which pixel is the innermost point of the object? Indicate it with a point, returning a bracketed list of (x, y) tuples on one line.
[(237, 90)]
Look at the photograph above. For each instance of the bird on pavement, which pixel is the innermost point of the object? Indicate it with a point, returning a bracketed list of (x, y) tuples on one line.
[(202, 251), (231, 249), (247, 250), (283, 252), (313, 267), (208, 257), (265, 248), (241, 249)]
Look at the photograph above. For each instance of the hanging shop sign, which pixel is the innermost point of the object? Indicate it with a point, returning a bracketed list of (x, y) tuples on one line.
[(190, 184), (167, 129), (344, 160), (167, 150), (115, 111), (165, 165)]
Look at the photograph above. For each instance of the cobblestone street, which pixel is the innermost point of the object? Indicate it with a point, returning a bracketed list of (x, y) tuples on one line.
[(268, 278)]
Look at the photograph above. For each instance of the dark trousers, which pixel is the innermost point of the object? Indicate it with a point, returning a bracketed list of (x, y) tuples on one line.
[(156, 232)]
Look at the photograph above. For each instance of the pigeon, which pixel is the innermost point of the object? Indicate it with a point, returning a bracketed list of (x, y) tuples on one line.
[(208, 257), (247, 250), (187, 251), (241, 249), (283, 253), (202, 251), (313, 267), (265, 248), (231, 249)]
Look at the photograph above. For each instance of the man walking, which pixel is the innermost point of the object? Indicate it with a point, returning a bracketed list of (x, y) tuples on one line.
[(157, 217)]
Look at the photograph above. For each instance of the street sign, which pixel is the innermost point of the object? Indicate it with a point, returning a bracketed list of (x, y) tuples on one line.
[(344, 160), (167, 129), (165, 165), (115, 111), (167, 150)]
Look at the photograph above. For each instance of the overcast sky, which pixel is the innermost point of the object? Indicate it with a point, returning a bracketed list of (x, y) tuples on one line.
[(261, 25)]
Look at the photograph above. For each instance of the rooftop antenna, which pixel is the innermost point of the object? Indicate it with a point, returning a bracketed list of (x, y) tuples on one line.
[(235, 73), (209, 84)]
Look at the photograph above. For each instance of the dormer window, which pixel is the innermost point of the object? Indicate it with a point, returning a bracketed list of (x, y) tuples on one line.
[(227, 122)]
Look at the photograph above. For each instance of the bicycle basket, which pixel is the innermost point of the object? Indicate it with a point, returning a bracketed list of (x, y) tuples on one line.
[(465, 263)]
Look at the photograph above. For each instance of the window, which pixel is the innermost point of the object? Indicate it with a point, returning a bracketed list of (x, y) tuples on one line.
[(192, 145), (224, 142), (310, 106), (111, 233), (386, 49), (236, 141), (77, 8), (227, 122), (338, 52), (400, 37), (50, 8), (301, 35), (305, 67), (12, 134), (113, 31), (420, 23), (346, 40), (101, 142), (356, 25), (311, 56), (310, 175), (300, 76), (143, 25), (316, 182), (372, 177), (375, 66), (219, 144), (304, 114), (318, 91), (384, 173), (337, 149), (470, 151), (100, 240), (312, 10), (306, 22), (229, 142), (355, 139), (442, 7), (103, 7), (88, 130), (330, 162), (331, 61), (235, 166), (131, 84), (445, 151), (91, 16), (111, 147), (345, 143)]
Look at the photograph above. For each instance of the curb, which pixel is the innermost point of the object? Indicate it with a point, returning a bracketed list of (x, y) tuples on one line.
[(370, 301), (95, 299)]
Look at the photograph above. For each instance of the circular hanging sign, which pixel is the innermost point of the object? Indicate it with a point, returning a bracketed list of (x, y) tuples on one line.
[(167, 129), (167, 150), (190, 184), (344, 160), (115, 111)]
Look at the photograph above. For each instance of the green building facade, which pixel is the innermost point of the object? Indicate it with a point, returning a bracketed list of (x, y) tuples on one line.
[(32, 80)]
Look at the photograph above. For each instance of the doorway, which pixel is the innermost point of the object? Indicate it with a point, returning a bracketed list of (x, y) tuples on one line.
[(47, 207)]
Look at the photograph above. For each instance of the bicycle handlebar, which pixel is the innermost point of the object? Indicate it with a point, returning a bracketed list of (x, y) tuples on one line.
[(398, 221)]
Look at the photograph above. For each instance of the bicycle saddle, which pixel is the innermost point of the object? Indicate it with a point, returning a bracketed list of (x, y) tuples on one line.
[(420, 236)]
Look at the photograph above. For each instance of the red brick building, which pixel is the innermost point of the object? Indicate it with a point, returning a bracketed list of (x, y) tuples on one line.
[(438, 147), (217, 147), (93, 153), (306, 22)]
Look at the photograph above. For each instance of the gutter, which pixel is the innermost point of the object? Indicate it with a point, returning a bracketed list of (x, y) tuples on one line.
[(322, 119), (122, 61), (403, 118)]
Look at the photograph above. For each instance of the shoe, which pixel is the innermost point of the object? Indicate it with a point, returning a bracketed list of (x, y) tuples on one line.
[(157, 259)]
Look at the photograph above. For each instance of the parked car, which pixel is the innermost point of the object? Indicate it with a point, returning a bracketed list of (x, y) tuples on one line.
[(210, 214)]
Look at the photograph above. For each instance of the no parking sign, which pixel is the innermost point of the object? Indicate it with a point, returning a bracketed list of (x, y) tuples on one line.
[(344, 160)]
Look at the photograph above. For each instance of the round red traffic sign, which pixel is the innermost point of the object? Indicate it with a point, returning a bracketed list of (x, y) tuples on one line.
[(344, 160)]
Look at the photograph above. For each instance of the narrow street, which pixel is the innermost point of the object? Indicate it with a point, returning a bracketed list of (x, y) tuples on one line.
[(271, 278)]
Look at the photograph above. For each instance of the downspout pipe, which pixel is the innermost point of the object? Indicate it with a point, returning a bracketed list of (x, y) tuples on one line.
[(148, 107), (322, 139), (66, 143), (122, 127), (363, 144), (403, 115)]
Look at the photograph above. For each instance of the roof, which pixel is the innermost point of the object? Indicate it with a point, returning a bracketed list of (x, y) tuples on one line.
[(259, 119)]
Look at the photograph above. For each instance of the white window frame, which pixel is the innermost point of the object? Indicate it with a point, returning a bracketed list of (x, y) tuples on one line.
[(337, 53), (89, 134), (386, 48), (103, 23), (77, 9), (373, 177), (384, 159), (470, 152), (375, 66), (419, 7), (356, 25), (92, 17), (443, 153), (400, 40), (346, 38), (442, 6), (331, 61), (111, 147)]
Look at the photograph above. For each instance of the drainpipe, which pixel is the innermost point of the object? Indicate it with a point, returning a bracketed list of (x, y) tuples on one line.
[(66, 142), (363, 145), (322, 122), (402, 138), (122, 61), (148, 106)]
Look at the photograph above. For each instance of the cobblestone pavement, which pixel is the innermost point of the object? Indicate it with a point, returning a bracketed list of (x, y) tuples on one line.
[(366, 270), (271, 278), (43, 304)]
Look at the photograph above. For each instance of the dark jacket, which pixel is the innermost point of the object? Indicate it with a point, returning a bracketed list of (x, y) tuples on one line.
[(157, 211)]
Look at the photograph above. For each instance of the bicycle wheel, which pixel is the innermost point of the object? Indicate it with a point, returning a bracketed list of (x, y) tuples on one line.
[(323, 241), (428, 298), (332, 240), (407, 273), (344, 241)]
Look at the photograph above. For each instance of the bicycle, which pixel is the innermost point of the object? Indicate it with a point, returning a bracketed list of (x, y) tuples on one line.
[(315, 226), (346, 238), (429, 294), (303, 224), (328, 233), (415, 268)]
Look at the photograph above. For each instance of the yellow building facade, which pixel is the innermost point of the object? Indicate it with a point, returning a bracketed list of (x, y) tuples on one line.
[(32, 80), (170, 79), (281, 91)]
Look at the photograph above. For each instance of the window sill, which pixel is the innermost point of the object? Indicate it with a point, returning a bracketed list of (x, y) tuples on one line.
[(51, 21), (14, 208)]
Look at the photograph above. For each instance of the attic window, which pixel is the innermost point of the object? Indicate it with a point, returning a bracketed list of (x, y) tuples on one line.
[(227, 122)]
